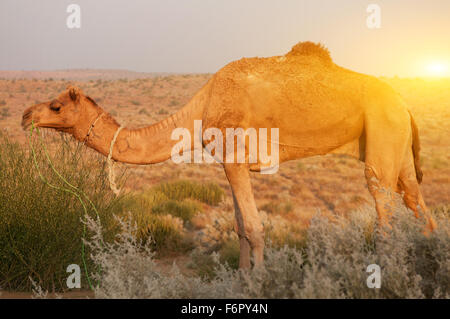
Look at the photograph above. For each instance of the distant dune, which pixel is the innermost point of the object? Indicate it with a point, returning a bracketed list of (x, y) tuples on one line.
[(80, 74)]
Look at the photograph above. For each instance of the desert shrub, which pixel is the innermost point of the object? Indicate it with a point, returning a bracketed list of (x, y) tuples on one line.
[(174, 102), (280, 232), (332, 264), (160, 219), (209, 193), (162, 111), (219, 229), (204, 261), (134, 102), (229, 253), (164, 233), (143, 112), (274, 207), (142, 202), (154, 201), (40, 227), (143, 279), (4, 112), (185, 209)]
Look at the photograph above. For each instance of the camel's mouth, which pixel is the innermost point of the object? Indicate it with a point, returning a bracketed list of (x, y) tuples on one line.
[(26, 120)]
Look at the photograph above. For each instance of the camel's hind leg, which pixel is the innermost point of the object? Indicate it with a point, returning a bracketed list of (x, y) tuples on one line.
[(412, 196), (250, 228), (387, 137), (381, 188)]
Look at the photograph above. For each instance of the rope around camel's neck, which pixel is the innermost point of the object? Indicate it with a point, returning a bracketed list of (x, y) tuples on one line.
[(111, 173)]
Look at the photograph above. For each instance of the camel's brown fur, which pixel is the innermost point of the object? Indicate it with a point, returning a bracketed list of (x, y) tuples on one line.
[(318, 107)]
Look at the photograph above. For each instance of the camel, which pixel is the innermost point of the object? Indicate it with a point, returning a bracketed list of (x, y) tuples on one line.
[(318, 106)]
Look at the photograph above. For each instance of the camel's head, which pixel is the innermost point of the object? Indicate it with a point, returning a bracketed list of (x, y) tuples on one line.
[(69, 110)]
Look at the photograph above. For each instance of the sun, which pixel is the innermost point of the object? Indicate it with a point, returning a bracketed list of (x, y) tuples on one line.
[(437, 69)]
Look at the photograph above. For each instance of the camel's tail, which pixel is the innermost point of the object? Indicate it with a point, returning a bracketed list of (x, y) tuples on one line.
[(416, 149)]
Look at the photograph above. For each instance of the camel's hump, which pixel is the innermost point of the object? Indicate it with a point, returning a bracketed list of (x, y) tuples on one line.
[(310, 48)]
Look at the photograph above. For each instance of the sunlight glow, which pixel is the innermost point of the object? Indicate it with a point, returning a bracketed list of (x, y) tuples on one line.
[(438, 69)]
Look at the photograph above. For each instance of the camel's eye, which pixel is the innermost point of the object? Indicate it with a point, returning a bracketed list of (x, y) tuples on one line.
[(55, 106)]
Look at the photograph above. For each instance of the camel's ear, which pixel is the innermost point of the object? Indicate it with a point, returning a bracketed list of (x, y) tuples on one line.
[(74, 93)]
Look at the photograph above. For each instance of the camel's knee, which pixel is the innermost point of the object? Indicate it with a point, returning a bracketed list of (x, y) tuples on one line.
[(382, 194), (371, 177), (373, 180), (376, 180), (251, 239), (256, 239)]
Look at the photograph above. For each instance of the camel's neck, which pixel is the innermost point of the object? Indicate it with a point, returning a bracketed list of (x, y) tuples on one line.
[(148, 145)]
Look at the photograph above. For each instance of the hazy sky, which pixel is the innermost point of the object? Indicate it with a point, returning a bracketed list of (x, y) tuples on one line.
[(204, 35)]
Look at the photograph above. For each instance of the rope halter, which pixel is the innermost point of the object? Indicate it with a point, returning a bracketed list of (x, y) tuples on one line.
[(111, 174)]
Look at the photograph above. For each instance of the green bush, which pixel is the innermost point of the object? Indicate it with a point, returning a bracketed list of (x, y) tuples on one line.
[(229, 253), (40, 225), (152, 209), (164, 233), (209, 193), (184, 210), (276, 207), (40, 228)]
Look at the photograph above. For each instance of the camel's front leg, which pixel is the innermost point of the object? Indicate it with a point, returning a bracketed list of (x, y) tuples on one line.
[(250, 228), (413, 197), (244, 256)]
